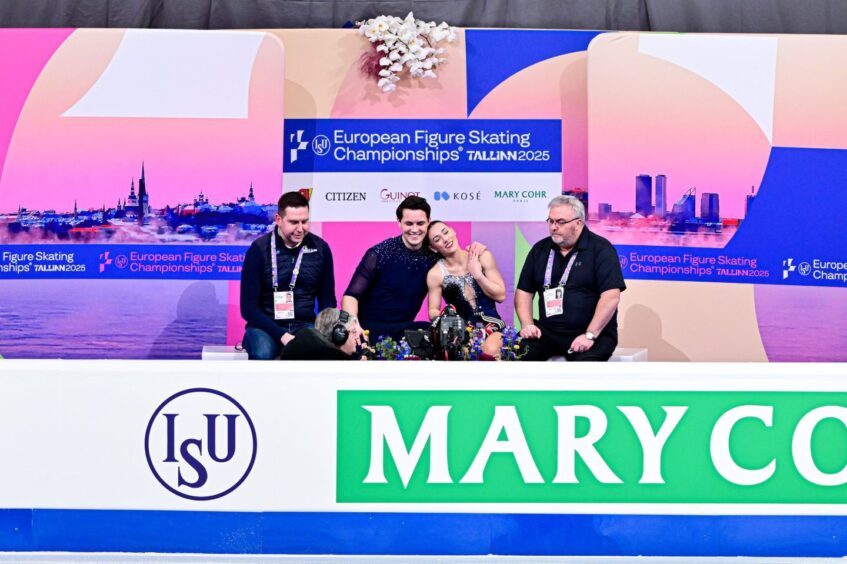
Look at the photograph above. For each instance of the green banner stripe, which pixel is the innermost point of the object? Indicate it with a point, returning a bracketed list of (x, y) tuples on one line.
[(783, 447)]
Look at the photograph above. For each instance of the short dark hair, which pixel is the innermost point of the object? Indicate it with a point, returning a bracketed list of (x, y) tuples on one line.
[(413, 203), (291, 200)]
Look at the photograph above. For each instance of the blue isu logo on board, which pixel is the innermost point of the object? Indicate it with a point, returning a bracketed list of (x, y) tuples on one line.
[(200, 444), (411, 145)]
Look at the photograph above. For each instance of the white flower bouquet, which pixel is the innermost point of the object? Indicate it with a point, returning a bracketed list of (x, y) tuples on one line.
[(403, 45)]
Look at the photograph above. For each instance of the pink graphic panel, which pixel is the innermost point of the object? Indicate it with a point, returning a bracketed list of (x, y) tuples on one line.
[(650, 116), (23, 54), (92, 160)]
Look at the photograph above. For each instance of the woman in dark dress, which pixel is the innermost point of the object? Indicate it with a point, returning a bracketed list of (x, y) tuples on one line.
[(467, 280)]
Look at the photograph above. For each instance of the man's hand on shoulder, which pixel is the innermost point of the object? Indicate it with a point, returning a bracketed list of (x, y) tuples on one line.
[(530, 332), (476, 248), (286, 338)]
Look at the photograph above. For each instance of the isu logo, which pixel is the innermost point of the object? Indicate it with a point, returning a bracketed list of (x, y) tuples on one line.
[(321, 145), (200, 444)]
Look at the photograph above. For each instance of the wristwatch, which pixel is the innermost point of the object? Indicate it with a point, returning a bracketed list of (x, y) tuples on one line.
[(590, 336)]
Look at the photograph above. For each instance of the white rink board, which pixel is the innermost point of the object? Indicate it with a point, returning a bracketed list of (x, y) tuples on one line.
[(74, 431)]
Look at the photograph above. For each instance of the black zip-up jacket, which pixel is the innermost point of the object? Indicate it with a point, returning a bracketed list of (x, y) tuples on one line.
[(316, 282)]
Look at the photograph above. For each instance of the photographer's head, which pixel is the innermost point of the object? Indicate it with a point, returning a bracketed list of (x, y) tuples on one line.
[(340, 328), (292, 218), (413, 218)]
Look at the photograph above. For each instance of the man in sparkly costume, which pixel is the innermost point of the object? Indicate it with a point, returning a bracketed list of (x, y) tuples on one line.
[(389, 284)]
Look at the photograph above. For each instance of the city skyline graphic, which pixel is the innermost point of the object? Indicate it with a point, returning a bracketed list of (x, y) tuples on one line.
[(134, 219), (656, 220)]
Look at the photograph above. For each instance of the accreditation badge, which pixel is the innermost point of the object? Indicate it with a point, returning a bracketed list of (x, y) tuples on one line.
[(284, 305), (554, 302)]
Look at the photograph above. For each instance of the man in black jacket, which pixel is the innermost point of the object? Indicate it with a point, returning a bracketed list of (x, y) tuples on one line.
[(285, 273)]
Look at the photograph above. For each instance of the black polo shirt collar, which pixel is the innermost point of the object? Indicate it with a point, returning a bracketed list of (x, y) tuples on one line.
[(582, 242)]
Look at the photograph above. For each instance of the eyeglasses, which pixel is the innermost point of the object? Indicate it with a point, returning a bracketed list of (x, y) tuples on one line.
[(560, 222)]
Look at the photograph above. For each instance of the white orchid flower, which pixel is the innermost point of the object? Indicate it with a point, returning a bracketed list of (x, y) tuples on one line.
[(406, 44)]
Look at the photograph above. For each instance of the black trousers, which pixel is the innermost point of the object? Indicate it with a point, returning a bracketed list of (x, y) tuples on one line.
[(557, 344)]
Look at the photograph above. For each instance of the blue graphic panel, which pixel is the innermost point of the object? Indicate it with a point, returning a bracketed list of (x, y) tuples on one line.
[(491, 58), (157, 262), (411, 145)]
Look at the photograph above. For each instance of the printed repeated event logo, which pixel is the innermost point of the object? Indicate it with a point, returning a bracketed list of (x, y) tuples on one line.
[(321, 145), (522, 196), (788, 266), (298, 143), (388, 196), (817, 269), (346, 196), (457, 196), (200, 444)]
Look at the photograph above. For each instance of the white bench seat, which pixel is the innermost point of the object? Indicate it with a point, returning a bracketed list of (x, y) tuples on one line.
[(219, 352)]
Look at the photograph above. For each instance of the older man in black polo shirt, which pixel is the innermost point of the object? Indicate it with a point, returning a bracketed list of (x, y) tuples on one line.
[(578, 278)]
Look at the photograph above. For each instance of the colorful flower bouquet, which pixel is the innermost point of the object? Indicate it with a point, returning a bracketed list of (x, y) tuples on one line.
[(387, 348)]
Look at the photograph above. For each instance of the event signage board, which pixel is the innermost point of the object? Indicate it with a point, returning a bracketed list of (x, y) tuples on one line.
[(419, 145), (361, 169), (226, 452), (191, 262)]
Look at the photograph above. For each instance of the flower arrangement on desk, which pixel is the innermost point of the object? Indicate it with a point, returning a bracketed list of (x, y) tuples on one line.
[(387, 348), (403, 45)]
